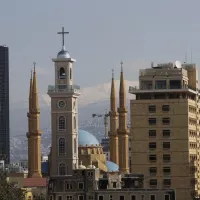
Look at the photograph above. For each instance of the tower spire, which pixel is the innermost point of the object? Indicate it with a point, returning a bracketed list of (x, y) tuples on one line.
[(122, 94), (112, 94), (35, 105), (28, 134), (122, 131), (35, 133), (114, 157)]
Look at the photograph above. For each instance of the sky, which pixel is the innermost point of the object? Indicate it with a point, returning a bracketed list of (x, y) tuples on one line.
[(102, 33)]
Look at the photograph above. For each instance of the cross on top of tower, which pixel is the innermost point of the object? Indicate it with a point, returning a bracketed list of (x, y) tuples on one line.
[(63, 36), (121, 66)]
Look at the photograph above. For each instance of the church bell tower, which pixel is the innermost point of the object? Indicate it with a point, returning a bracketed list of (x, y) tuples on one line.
[(64, 115)]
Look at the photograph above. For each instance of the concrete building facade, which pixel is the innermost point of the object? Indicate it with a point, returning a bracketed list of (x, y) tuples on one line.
[(165, 128)]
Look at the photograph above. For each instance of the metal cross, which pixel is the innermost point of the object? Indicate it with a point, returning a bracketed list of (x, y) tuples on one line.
[(121, 66), (63, 35)]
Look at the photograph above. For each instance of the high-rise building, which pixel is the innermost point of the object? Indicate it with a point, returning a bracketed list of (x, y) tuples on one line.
[(4, 104), (165, 128)]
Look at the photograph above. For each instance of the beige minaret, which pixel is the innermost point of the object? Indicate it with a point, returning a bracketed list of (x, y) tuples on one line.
[(29, 126), (34, 136), (113, 124), (122, 130)]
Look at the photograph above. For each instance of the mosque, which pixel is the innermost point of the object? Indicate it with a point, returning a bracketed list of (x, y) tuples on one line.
[(78, 168)]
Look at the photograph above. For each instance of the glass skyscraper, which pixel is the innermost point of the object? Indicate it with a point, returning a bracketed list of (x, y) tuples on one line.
[(4, 105)]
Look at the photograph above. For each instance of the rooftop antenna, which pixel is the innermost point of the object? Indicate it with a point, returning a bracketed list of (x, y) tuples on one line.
[(191, 56), (186, 57)]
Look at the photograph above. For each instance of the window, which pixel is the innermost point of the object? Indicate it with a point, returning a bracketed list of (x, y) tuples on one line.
[(62, 123), (51, 197), (152, 171), (152, 108), (110, 197), (152, 133), (165, 108), (152, 121), (167, 197), (100, 197), (167, 182), (74, 123), (121, 198), (166, 121), (114, 184), (59, 197), (80, 197), (62, 169), (152, 158), (133, 197), (81, 186), (68, 197), (75, 145), (152, 197), (68, 186), (166, 170), (166, 158), (62, 73), (152, 145), (166, 145), (61, 147), (90, 173), (70, 73), (153, 182), (166, 133), (90, 198)]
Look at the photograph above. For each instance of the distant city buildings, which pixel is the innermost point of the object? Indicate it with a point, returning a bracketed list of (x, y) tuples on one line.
[(4, 105)]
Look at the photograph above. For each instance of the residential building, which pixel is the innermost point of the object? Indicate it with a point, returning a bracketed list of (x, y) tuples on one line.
[(165, 128)]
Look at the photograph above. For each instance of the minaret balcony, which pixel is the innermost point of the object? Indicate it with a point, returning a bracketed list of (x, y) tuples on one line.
[(64, 89)]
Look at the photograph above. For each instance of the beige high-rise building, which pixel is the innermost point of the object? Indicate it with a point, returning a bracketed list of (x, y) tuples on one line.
[(165, 128)]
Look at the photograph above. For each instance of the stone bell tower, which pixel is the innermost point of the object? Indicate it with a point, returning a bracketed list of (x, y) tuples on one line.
[(64, 115)]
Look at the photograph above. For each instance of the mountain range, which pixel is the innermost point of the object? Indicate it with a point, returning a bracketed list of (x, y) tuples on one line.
[(93, 100)]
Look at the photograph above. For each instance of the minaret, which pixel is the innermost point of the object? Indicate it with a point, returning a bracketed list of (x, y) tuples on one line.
[(64, 115), (113, 124), (35, 136), (122, 130), (29, 126)]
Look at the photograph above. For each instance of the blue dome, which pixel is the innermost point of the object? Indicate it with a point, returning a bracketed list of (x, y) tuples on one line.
[(86, 138), (111, 166)]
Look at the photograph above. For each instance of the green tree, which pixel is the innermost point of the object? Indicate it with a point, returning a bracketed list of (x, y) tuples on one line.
[(8, 191)]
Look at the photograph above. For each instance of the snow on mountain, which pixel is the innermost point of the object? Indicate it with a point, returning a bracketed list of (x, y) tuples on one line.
[(88, 95)]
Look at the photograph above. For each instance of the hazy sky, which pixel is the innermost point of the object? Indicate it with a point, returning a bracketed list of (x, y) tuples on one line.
[(102, 33)]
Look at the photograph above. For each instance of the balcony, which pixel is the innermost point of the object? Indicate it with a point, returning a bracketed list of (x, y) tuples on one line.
[(137, 90), (64, 89)]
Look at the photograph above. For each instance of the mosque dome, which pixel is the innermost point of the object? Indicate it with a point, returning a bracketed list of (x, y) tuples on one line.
[(86, 138), (111, 166), (63, 54)]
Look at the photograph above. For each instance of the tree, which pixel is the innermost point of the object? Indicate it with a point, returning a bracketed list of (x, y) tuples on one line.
[(9, 190)]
